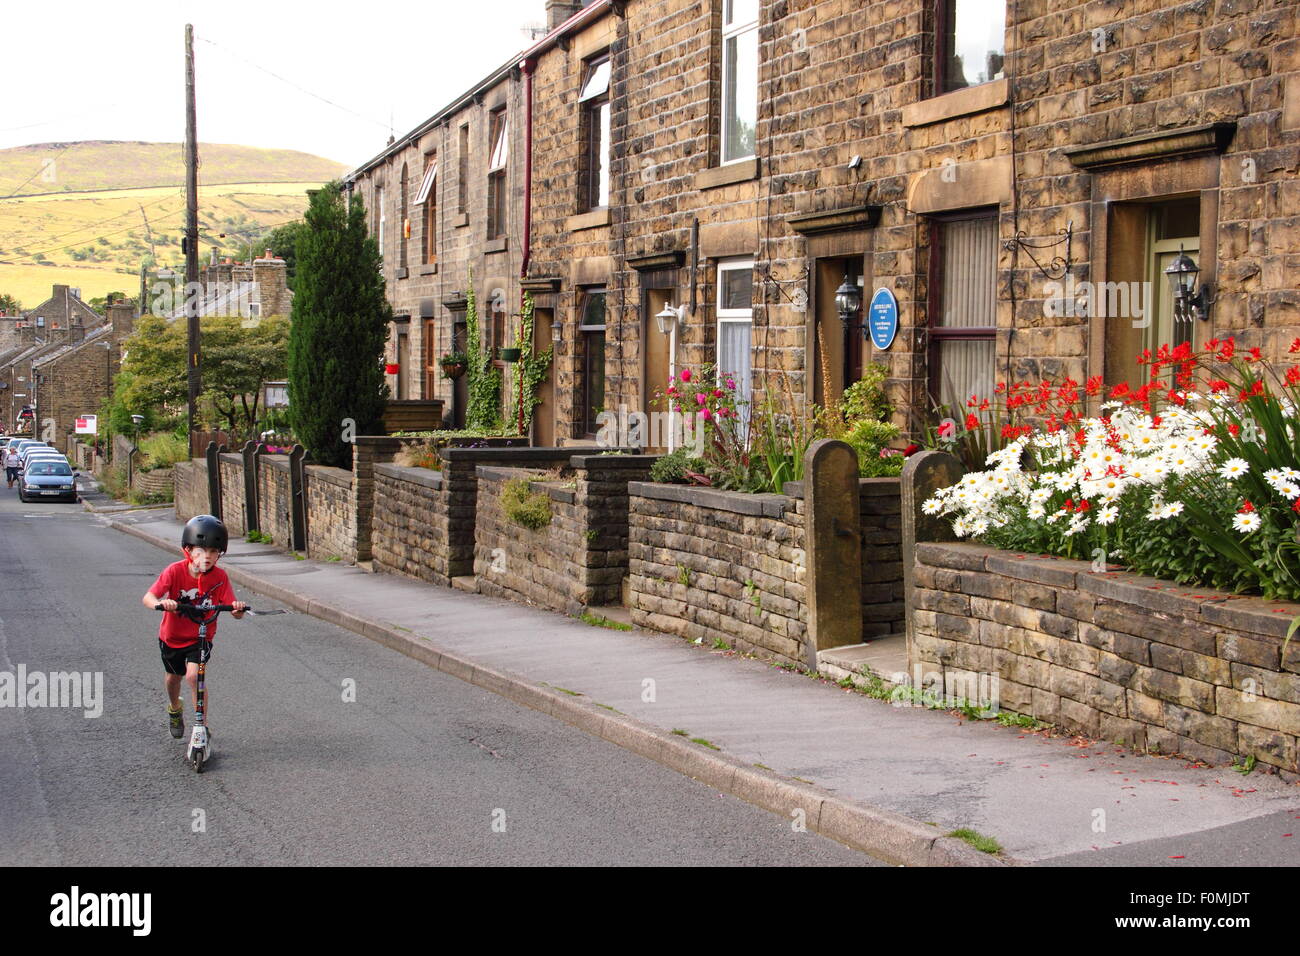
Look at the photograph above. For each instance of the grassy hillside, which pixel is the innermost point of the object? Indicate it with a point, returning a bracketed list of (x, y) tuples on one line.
[(78, 167), (97, 236)]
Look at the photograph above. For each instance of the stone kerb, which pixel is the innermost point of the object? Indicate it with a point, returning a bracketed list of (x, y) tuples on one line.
[(1115, 655), (714, 565), (580, 558)]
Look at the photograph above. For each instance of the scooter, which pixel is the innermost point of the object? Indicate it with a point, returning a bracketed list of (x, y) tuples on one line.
[(199, 751)]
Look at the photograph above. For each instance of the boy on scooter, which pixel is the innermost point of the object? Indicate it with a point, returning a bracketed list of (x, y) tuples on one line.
[(195, 580)]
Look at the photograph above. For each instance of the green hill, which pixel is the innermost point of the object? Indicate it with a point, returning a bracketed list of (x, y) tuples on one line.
[(107, 208), (96, 164)]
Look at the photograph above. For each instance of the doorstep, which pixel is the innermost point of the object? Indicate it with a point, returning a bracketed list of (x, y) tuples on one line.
[(884, 657), (465, 582)]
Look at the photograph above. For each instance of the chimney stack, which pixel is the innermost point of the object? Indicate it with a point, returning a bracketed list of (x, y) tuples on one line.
[(557, 11)]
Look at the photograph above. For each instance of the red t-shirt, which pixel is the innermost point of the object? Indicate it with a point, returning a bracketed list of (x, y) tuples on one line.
[(176, 582)]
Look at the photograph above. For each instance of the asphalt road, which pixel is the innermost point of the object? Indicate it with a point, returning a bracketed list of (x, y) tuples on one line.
[(420, 769)]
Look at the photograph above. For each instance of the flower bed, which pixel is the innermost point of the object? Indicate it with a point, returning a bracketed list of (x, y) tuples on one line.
[(1115, 655)]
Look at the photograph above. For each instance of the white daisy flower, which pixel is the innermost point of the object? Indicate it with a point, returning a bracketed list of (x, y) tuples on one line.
[(1172, 510), (932, 506), (1234, 468), (1247, 522), (1107, 515)]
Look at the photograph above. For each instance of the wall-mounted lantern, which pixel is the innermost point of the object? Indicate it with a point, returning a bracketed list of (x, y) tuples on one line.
[(1190, 302), (848, 302), (670, 318)]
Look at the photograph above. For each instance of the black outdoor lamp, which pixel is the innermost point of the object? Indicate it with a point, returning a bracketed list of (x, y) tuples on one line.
[(1189, 300), (848, 300)]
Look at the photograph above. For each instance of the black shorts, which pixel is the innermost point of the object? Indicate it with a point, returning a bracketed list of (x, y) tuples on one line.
[(12, 473), (175, 658)]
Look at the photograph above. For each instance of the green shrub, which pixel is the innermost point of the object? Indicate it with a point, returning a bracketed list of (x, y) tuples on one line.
[(672, 468), (524, 506), (164, 449), (868, 437)]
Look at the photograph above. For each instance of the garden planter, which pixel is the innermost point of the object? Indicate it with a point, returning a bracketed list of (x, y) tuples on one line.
[(453, 370), (509, 355)]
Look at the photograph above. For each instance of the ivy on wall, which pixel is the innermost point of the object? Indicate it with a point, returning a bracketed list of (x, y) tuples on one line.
[(531, 370), (483, 381)]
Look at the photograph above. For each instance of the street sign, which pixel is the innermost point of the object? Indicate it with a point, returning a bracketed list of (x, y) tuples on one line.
[(87, 424), (882, 318)]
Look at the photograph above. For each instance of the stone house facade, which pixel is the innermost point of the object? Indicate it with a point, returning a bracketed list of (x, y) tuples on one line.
[(1017, 177), (446, 201), (76, 379)]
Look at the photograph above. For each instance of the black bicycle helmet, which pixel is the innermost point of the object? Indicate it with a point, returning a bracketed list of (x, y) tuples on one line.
[(205, 531)]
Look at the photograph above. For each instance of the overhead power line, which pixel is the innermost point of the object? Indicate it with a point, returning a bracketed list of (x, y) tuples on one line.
[(288, 82)]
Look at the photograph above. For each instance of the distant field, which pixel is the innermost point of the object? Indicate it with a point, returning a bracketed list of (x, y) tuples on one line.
[(31, 284)]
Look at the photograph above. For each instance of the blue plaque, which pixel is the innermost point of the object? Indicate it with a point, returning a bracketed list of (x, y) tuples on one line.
[(882, 318)]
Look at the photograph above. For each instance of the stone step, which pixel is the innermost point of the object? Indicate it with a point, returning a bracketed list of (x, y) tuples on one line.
[(883, 657), (465, 582), (613, 612)]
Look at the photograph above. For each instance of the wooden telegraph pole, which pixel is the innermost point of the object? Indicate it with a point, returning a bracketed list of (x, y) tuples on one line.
[(191, 233)]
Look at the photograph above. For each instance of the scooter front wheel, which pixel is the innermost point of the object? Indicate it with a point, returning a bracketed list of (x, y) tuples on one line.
[(197, 761)]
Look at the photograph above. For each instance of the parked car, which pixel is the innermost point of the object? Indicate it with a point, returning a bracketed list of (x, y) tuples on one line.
[(38, 450), (46, 479)]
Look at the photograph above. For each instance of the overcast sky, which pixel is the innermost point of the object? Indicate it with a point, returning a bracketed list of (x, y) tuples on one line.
[(93, 70)]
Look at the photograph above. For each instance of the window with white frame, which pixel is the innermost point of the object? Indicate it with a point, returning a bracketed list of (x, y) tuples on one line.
[(594, 100), (499, 152), (428, 198), (739, 79), (735, 315)]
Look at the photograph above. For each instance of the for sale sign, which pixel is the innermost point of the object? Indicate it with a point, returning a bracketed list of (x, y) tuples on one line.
[(87, 424)]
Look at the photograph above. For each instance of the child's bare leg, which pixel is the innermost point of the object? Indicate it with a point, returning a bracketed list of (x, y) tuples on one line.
[(172, 684)]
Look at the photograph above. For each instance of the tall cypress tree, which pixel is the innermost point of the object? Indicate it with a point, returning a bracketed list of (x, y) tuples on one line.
[(340, 325)]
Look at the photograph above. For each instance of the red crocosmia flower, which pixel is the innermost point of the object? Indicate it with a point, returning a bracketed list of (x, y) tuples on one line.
[(1094, 385), (1155, 422), (1119, 390), (911, 450), (1218, 385), (1177, 399), (1253, 355), (972, 423), (1069, 504), (1295, 347), (1213, 344), (984, 405), (1296, 507), (1246, 508), (1002, 386), (1234, 430), (972, 402), (1083, 505), (1293, 375), (1227, 351)]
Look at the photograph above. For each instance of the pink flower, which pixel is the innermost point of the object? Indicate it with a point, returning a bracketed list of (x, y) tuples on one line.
[(717, 393), (672, 390), (731, 382), (947, 429), (707, 414), (699, 398), (686, 375)]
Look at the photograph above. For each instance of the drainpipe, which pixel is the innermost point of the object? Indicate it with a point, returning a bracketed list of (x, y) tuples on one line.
[(527, 66)]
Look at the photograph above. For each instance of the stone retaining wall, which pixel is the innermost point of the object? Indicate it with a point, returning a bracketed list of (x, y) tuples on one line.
[(1115, 655), (331, 514), (190, 488), (233, 510), (577, 561), (157, 482), (274, 500), (422, 522), (719, 565)]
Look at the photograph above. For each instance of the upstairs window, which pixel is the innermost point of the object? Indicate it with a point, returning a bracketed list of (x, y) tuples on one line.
[(379, 219), (972, 42), (428, 198), (499, 152), (739, 79), (404, 224), (594, 101), (462, 172)]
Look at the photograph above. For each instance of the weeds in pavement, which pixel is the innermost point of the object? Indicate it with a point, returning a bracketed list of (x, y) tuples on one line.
[(977, 840)]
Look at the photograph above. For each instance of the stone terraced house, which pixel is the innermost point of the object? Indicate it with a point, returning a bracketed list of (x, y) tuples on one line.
[(962, 190)]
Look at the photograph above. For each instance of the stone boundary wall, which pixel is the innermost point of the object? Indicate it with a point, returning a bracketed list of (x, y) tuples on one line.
[(422, 521), (719, 565), (884, 609), (331, 516), (231, 467), (1115, 655), (274, 501), (577, 561), (190, 488)]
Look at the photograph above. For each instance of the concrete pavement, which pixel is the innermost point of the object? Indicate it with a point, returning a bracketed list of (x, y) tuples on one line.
[(885, 779)]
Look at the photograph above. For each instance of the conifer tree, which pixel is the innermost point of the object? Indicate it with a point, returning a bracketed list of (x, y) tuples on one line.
[(339, 327)]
